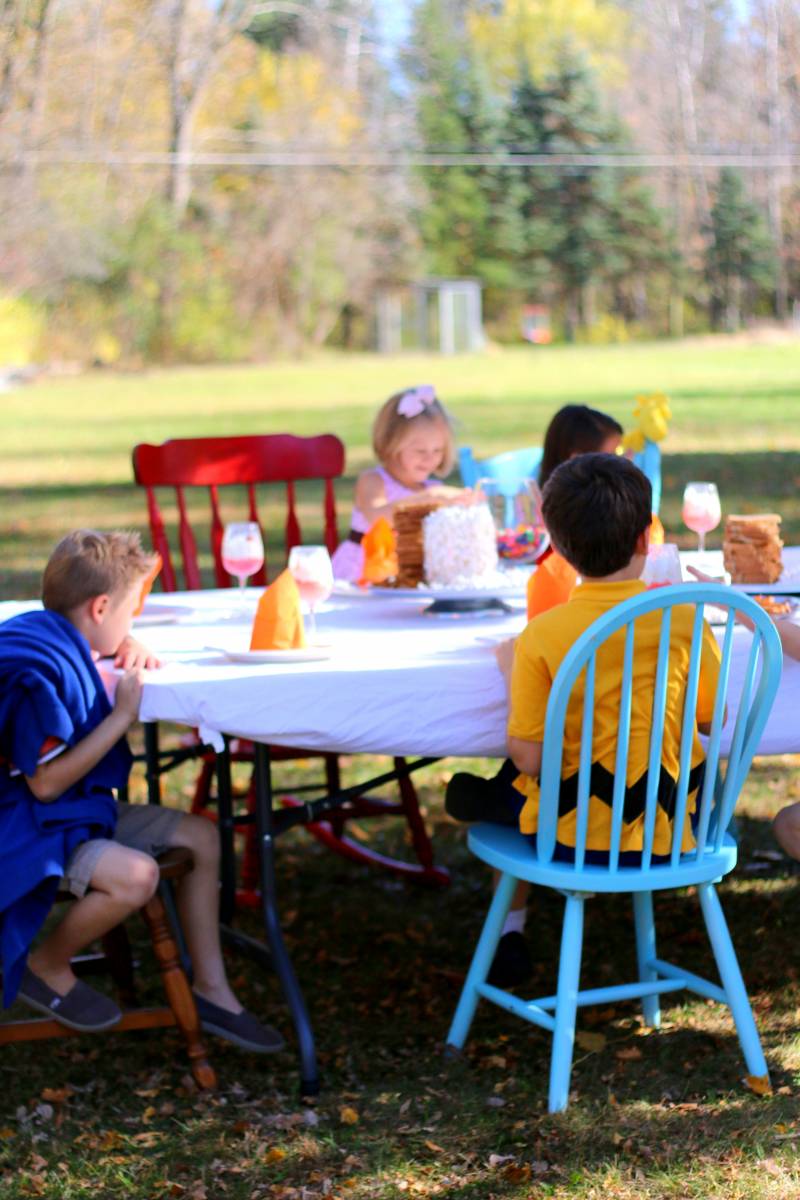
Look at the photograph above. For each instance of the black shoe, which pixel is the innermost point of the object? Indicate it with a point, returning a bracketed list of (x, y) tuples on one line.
[(470, 797), (512, 963), (473, 798), (242, 1029)]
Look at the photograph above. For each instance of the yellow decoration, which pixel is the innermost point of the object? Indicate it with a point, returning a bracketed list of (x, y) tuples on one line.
[(652, 415)]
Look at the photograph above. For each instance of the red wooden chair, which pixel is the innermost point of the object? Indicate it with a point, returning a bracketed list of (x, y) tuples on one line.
[(213, 463)]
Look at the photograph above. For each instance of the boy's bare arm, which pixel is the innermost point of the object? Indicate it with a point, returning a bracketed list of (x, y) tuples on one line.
[(52, 778), (526, 756)]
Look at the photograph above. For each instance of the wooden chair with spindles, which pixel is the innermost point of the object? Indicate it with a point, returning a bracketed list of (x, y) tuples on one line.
[(180, 1009), (187, 466)]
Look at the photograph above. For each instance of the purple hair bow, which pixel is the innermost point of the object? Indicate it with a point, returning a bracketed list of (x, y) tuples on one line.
[(416, 400)]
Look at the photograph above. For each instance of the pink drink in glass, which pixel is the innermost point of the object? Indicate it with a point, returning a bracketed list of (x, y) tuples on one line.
[(312, 591), (701, 509), (700, 519), (242, 568)]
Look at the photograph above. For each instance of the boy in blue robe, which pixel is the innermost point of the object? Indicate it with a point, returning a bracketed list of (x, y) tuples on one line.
[(62, 754)]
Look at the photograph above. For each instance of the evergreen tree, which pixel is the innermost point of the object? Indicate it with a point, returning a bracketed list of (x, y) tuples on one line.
[(583, 226), (454, 114), (740, 254)]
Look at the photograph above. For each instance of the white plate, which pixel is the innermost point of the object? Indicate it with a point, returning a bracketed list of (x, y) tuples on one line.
[(516, 588), (424, 592), (160, 615), (343, 587), (300, 655)]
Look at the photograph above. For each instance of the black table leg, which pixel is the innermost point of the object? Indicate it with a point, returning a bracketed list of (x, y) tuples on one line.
[(152, 765), (309, 1076), (227, 897)]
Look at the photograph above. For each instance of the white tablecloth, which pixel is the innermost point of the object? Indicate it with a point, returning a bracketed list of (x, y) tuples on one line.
[(396, 682)]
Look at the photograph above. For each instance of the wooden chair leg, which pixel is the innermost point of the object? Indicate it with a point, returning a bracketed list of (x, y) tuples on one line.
[(117, 949), (179, 994)]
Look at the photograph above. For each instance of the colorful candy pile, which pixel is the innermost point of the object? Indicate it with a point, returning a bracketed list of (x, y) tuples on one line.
[(523, 543)]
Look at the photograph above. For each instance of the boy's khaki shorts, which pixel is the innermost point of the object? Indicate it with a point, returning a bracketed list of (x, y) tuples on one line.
[(145, 827)]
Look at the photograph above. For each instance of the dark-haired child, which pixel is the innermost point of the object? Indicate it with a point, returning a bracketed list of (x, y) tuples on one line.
[(62, 754)]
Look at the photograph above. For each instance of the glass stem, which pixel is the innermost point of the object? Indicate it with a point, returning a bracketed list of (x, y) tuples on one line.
[(312, 625), (242, 583), (701, 539)]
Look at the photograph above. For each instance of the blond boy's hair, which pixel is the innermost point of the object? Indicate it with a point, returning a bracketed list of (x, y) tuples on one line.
[(86, 564), (390, 429)]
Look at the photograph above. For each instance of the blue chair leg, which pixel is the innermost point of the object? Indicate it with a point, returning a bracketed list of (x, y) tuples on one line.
[(646, 952), (732, 982), (569, 970), (481, 960)]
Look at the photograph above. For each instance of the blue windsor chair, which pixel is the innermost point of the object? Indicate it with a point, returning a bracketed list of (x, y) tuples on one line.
[(713, 856), (508, 470)]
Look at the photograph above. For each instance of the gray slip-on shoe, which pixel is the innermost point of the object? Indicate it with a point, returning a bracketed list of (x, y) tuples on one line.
[(82, 1008), (242, 1029)]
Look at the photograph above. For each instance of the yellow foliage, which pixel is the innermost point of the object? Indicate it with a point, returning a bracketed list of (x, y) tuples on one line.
[(285, 97), (537, 29), (20, 327)]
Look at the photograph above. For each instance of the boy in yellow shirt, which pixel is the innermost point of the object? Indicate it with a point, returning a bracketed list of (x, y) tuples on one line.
[(598, 511)]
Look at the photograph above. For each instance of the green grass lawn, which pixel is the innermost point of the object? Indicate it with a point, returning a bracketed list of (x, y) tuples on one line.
[(655, 1115), (66, 443)]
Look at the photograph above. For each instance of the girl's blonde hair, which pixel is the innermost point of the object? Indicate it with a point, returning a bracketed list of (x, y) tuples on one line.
[(409, 410)]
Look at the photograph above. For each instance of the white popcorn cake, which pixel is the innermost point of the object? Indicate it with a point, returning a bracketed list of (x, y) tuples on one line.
[(460, 545)]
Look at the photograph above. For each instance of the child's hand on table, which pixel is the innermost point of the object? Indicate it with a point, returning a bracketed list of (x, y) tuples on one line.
[(702, 577), (132, 655), (128, 695)]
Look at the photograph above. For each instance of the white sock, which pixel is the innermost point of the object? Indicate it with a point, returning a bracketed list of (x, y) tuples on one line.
[(515, 921)]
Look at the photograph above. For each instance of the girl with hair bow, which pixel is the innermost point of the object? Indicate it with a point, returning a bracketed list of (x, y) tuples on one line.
[(412, 437)]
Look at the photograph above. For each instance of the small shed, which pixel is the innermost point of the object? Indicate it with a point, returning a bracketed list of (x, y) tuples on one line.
[(443, 315)]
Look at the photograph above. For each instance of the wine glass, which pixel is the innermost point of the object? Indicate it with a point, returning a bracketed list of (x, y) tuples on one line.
[(312, 571), (242, 551), (701, 510)]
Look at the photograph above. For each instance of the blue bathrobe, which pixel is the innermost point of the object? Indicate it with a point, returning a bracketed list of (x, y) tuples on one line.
[(49, 688)]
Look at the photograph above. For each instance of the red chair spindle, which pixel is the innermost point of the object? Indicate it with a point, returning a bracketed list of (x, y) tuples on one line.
[(160, 542), (221, 576), (331, 532), (260, 577), (188, 545), (293, 536)]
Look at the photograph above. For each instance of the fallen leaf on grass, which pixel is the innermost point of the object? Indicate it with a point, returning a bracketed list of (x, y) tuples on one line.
[(499, 1160), (56, 1095), (434, 1149), (517, 1172), (348, 1115), (759, 1084), (590, 1041), (628, 1053), (274, 1154)]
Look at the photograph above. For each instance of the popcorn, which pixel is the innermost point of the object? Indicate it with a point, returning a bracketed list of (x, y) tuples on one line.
[(460, 545)]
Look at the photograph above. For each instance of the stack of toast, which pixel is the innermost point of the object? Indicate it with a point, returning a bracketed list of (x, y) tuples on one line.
[(752, 547), (408, 517)]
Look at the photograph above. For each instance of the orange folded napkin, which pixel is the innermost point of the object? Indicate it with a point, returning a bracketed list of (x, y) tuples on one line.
[(550, 584), (279, 622), (147, 584), (380, 553)]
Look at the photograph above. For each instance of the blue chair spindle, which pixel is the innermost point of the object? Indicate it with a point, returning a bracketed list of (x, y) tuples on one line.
[(712, 857)]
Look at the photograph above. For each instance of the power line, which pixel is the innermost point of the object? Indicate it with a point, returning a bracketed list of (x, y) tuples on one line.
[(753, 160)]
